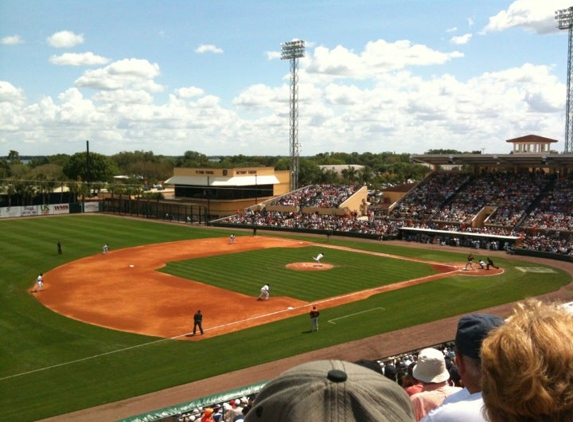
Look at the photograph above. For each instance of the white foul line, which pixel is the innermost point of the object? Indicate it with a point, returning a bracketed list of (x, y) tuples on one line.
[(356, 313)]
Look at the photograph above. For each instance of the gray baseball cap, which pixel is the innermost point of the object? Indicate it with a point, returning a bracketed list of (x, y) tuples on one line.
[(331, 390)]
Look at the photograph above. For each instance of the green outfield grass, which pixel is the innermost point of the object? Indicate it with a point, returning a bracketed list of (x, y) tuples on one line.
[(240, 272), (51, 365)]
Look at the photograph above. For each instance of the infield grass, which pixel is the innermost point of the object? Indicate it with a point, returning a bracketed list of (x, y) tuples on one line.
[(51, 365), (241, 272)]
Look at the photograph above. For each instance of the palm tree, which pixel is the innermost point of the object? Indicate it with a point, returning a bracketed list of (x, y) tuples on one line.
[(366, 175), (349, 174), (25, 190)]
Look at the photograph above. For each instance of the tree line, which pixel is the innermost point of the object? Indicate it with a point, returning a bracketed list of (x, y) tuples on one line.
[(38, 176)]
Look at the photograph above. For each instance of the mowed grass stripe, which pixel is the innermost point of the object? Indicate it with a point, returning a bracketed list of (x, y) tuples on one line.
[(246, 272)]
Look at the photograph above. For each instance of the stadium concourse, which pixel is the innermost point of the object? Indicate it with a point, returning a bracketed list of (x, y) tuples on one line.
[(381, 348)]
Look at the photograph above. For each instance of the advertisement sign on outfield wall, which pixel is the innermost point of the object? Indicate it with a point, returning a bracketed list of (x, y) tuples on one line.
[(29, 210), (91, 207), (33, 210), (10, 212)]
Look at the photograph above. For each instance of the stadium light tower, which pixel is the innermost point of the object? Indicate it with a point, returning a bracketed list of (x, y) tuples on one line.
[(565, 21), (293, 50)]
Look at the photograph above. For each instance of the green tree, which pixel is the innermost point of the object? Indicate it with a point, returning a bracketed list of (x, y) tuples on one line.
[(443, 151), (44, 186), (5, 171), (25, 191), (14, 157), (349, 174), (327, 177), (101, 168), (58, 159), (308, 172), (365, 175), (192, 159)]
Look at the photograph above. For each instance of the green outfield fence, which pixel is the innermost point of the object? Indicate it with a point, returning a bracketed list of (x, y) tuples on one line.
[(159, 210)]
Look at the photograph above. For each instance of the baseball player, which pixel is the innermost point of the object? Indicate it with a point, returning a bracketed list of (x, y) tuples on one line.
[(39, 283), (469, 263), (314, 319), (490, 264), (105, 248), (318, 257), (198, 322), (264, 292)]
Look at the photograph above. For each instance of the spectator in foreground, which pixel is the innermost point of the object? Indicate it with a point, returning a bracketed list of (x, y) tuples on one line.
[(527, 366), (432, 372), (466, 405), (331, 390), (411, 384)]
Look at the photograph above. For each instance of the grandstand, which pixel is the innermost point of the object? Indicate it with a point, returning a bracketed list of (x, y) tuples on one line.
[(518, 201)]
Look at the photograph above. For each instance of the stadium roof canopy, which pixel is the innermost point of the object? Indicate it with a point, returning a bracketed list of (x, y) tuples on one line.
[(497, 160), (530, 151), (222, 181)]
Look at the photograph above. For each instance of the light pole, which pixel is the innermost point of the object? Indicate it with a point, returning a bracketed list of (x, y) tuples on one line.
[(293, 50), (208, 202), (565, 21), (256, 191)]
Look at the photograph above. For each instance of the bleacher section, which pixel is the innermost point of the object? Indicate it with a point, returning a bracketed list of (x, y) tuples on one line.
[(514, 211)]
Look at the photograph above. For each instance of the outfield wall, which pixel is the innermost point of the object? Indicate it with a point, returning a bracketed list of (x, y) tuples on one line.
[(160, 210), (49, 209)]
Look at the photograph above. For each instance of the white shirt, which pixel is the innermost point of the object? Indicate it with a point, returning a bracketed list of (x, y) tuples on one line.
[(465, 407)]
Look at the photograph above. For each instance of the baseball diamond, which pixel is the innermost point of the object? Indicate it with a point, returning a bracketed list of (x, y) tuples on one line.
[(166, 299)]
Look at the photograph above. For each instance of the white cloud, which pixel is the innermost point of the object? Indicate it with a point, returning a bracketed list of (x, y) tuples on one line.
[(385, 107), (453, 29), (208, 48), (188, 92), (462, 39), (78, 59), (125, 96), (378, 56), (12, 40), (533, 15), (135, 73), (261, 96), (65, 39), (10, 94)]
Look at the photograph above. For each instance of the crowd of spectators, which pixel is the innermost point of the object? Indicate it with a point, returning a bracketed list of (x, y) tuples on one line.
[(510, 193), (229, 411), (427, 198), (551, 242), (316, 196), (555, 209), (531, 207), (315, 221)]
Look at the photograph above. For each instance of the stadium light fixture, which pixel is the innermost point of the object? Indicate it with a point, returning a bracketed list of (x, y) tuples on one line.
[(292, 51), (565, 21)]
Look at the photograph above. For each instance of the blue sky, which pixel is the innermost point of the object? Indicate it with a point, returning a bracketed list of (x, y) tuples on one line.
[(191, 75)]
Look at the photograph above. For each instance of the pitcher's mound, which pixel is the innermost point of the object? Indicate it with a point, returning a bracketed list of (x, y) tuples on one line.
[(309, 266)]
